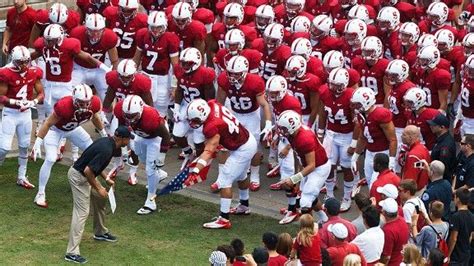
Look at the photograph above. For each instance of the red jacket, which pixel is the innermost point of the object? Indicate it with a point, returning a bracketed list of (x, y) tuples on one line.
[(413, 157)]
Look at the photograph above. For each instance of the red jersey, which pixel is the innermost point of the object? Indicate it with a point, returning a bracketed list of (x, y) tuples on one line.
[(219, 30), (372, 76), (396, 105), (87, 7), (354, 77), (407, 11), (59, 61), (416, 153), (282, 17), (288, 102), (456, 58), (302, 89), (467, 97), (147, 126), (221, 121), (304, 142), (431, 82), (42, 20), (156, 54), (193, 32), (20, 86), (384, 178), (272, 63), (376, 139), (98, 50), (244, 99), (253, 56), (349, 53), (396, 235), (325, 7), (154, 5), (426, 27), (338, 109), (249, 11), (20, 25), (341, 24), (421, 121), (125, 30), (140, 85), (339, 251), (398, 51), (388, 40), (315, 66), (193, 84), (69, 117)]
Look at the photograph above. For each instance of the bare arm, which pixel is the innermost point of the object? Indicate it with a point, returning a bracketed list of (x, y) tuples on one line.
[(443, 100), (92, 180), (97, 121), (147, 98), (265, 106), (178, 95), (201, 46), (211, 49), (3, 88), (221, 95), (39, 91), (210, 149), (138, 56), (6, 40), (164, 134), (108, 99), (310, 158), (50, 121), (113, 56), (389, 131), (453, 238), (314, 103), (209, 92), (35, 33)]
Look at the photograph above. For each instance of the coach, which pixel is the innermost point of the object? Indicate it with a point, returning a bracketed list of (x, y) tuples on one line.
[(82, 176)]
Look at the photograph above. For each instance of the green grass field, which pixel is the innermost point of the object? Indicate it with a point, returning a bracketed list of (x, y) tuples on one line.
[(174, 236)]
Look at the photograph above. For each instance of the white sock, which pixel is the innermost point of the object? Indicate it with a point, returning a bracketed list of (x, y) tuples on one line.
[(330, 184), (322, 216), (221, 165), (152, 182), (44, 174), (225, 205), (348, 185), (291, 200), (22, 162), (254, 174), (244, 194), (133, 169)]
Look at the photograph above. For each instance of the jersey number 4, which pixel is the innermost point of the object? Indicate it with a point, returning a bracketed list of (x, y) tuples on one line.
[(230, 120)]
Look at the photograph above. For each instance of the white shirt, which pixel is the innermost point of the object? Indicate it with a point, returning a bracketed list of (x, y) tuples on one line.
[(409, 208), (371, 243)]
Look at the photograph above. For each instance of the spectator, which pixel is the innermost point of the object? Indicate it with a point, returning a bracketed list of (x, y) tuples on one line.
[(371, 241), (218, 258), (331, 207), (307, 242), (352, 260), (465, 168), (444, 149), (411, 203), (386, 176), (229, 252), (461, 227), (427, 238), (438, 188), (239, 249), (284, 245), (260, 256), (362, 202), (412, 167), (411, 256), (270, 240), (342, 248), (389, 191), (436, 258), (396, 233), (20, 20)]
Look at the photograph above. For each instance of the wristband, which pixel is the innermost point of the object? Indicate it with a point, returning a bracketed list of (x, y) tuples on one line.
[(195, 170), (296, 178), (103, 133), (35, 101), (320, 132), (202, 161), (353, 143), (104, 67), (355, 157)]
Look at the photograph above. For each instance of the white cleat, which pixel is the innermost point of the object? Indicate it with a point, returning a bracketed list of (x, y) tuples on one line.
[(40, 200), (345, 205), (289, 217)]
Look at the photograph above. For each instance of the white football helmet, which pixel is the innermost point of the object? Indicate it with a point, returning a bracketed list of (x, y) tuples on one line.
[(289, 122), (264, 16), (428, 57), (468, 44), (273, 36), (182, 14), (198, 111), (233, 15), (190, 59), (414, 98), (132, 108), (193, 3), (321, 26), (397, 71), (363, 99), (338, 80), (302, 46), (58, 13), (468, 71), (372, 49), (300, 24), (360, 12), (445, 40), (296, 67), (427, 40), (388, 18), (53, 35), (409, 33), (470, 24), (82, 96), (333, 59), (293, 7), (237, 69), (355, 31), (157, 23), (276, 88), (95, 25), (21, 58), (126, 71), (234, 41), (437, 13), (347, 3), (128, 9)]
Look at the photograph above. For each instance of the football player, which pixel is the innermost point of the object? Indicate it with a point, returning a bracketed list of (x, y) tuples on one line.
[(191, 32), (150, 144), (246, 94), (64, 122), (407, 10), (388, 25), (18, 83), (408, 35), (354, 32), (437, 19), (285, 13), (467, 97), (249, 10), (220, 126), (201, 14), (314, 65), (321, 38), (88, 7), (264, 16), (468, 44), (153, 5), (359, 12), (334, 59)]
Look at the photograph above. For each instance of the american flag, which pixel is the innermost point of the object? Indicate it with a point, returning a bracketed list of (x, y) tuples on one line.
[(177, 183)]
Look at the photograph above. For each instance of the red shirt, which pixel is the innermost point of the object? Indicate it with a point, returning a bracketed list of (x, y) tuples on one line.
[(70, 118), (244, 99), (289, 102), (253, 56), (384, 178), (193, 84), (42, 20), (87, 7), (279, 260), (20, 86), (338, 109), (309, 256), (396, 105), (396, 236), (156, 54), (325, 44), (338, 252), (327, 240), (416, 153), (421, 121), (376, 139), (431, 82), (372, 76), (147, 126), (306, 141), (219, 30), (151, 5), (20, 25), (303, 88), (193, 32), (272, 63), (98, 50)]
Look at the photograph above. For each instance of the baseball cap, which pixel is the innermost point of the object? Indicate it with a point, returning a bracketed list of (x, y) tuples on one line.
[(388, 190), (218, 258), (260, 255), (332, 206), (339, 230), (439, 120), (389, 205), (123, 132)]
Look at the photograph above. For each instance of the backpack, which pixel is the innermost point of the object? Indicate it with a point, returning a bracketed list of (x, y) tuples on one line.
[(442, 245)]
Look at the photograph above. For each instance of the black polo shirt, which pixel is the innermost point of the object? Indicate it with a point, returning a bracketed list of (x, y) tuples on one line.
[(438, 190), (465, 171), (97, 156), (444, 150)]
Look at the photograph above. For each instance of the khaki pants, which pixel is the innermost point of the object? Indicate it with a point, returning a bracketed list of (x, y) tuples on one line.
[(83, 197)]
